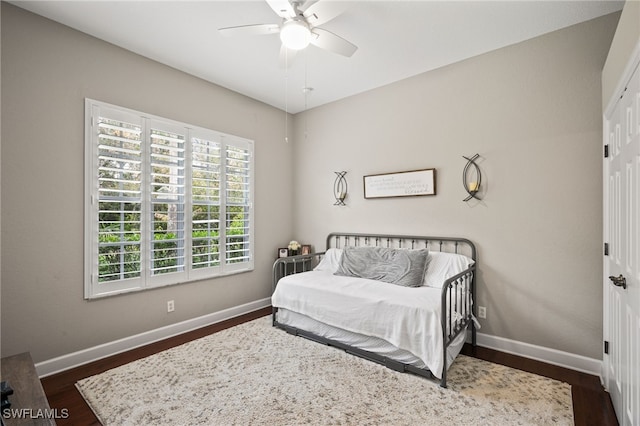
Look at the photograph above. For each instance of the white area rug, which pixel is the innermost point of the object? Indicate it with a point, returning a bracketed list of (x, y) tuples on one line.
[(254, 374)]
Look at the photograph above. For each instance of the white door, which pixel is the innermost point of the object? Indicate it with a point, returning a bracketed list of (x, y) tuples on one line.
[(622, 265)]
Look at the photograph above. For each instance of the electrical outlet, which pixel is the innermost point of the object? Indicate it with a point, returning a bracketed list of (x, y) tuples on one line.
[(482, 312), (171, 306)]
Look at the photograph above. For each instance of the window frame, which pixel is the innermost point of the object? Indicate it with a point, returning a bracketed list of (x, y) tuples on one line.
[(93, 287)]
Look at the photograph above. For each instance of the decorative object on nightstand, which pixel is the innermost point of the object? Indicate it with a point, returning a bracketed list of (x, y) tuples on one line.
[(293, 247), (340, 188), (471, 183)]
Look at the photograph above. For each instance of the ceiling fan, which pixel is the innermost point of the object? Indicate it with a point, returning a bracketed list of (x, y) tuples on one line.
[(299, 27)]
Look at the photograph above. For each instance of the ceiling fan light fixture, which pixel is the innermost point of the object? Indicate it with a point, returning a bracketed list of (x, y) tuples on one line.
[(295, 34)]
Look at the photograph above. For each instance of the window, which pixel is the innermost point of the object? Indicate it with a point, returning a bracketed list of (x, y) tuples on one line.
[(166, 202)]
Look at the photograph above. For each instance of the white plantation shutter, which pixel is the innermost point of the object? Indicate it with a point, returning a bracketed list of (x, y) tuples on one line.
[(206, 176), (238, 183), (166, 202), (167, 192), (114, 200), (119, 198)]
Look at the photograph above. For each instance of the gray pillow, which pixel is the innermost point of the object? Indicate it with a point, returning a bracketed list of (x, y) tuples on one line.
[(396, 266)]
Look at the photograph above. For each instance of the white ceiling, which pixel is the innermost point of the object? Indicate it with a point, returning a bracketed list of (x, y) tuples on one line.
[(395, 39)]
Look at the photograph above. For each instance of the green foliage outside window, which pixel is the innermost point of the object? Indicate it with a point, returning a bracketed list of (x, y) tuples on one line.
[(119, 255)]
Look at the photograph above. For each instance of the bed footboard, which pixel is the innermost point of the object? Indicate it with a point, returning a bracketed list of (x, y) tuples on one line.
[(292, 265), (458, 295)]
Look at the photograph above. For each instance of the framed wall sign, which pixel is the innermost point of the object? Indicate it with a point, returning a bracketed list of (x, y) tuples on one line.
[(400, 184)]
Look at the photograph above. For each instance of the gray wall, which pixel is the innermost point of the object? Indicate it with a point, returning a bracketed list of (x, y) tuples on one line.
[(47, 71), (533, 113)]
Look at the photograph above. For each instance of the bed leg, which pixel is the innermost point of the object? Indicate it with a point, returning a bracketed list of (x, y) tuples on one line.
[(473, 334), (443, 379)]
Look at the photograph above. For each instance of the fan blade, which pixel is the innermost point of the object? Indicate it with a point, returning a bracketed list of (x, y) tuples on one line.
[(304, 5), (331, 42), (321, 12), (250, 30), (286, 56), (282, 8)]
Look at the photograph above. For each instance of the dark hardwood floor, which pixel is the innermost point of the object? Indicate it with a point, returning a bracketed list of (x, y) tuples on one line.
[(591, 404)]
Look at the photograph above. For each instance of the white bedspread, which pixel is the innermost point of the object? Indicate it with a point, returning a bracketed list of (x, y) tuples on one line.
[(407, 317)]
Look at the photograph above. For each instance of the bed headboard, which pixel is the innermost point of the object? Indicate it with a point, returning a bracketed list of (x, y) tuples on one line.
[(445, 244)]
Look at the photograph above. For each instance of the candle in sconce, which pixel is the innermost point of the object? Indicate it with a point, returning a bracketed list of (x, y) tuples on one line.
[(473, 186)]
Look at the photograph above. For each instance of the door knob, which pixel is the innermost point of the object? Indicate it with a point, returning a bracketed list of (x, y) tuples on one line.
[(619, 281)]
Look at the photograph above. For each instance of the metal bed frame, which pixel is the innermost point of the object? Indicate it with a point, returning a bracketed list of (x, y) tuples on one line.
[(458, 292)]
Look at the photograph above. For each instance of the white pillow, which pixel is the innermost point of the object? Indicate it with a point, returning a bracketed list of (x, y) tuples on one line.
[(441, 266), (330, 261)]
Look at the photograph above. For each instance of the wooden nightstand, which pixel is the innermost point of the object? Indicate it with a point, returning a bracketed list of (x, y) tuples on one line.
[(29, 405)]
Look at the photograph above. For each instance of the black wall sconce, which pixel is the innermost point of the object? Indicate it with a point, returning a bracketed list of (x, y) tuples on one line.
[(471, 184), (340, 188)]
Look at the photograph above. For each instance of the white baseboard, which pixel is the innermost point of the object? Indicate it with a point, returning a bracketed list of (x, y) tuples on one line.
[(540, 353), (75, 359)]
